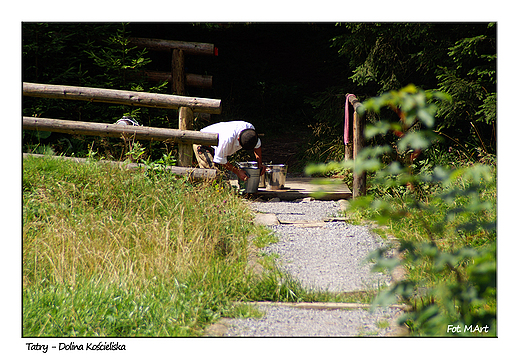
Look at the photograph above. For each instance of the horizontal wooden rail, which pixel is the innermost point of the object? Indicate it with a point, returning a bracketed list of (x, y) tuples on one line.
[(177, 170), (124, 97), (113, 130), (200, 81), (192, 48), (355, 102)]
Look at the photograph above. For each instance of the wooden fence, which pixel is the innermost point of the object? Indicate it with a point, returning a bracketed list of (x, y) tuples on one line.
[(186, 105), (179, 79), (177, 170), (359, 187), (185, 138), (115, 130)]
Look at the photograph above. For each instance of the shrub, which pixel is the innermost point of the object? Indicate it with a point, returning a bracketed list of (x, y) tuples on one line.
[(443, 217)]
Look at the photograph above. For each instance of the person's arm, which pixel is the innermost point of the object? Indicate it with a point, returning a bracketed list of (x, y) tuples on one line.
[(258, 156), (239, 172)]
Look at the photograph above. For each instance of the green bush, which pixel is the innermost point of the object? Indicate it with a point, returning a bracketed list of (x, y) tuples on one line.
[(443, 217)]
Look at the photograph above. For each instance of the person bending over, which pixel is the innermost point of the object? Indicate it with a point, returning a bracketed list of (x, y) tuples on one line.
[(232, 136)]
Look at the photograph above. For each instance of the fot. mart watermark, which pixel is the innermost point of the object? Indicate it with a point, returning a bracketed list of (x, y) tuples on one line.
[(475, 329)]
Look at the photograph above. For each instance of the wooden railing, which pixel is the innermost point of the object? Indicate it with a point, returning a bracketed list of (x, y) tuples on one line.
[(115, 130), (134, 98), (185, 105), (179, 79)]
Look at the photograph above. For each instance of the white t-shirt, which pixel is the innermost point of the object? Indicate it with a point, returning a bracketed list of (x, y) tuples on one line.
[(228, 133)]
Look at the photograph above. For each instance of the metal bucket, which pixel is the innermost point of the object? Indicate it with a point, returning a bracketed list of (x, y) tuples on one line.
[(248, 164), (261, 183), (276, 175), (252, 170)]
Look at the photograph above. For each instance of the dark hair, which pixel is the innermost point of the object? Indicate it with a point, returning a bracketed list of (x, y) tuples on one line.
[(248, 139)]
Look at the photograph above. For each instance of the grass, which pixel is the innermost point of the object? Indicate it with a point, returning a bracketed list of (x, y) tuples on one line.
[(112, 252), (115, 252)]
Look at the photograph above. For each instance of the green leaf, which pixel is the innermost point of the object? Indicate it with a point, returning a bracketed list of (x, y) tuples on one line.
[(381, 127), (426, 117), (414, 140)]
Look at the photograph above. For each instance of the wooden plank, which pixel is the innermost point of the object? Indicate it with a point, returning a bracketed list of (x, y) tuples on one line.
[(177, 170), (124, 97), (191, 48), (113, 130), (298, 188), (192, 80)]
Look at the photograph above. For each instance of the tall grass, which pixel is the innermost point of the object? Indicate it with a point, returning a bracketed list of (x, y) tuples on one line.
[(115, 252), (87, 220)]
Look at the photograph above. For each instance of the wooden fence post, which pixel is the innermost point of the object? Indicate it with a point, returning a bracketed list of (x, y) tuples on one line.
[(185, 154), (178, 72), (360, 180), (185, 123), (348, 151)]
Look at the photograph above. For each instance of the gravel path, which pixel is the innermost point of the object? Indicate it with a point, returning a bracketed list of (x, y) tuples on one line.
[(327, 256), (280, 321), (322, 255)]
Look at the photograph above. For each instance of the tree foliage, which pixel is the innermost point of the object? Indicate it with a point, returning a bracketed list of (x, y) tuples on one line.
[(458, 59), (278, 76), (91, 55), (471, 81)]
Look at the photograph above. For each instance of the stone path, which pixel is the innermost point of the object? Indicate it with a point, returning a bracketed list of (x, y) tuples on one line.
[(326, 267)]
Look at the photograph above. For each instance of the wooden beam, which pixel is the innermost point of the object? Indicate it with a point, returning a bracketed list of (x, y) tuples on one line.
[(199, 81), (124, 97), (191, 48), (177, 170), (113, 130), (178, 77), (192, 80)]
